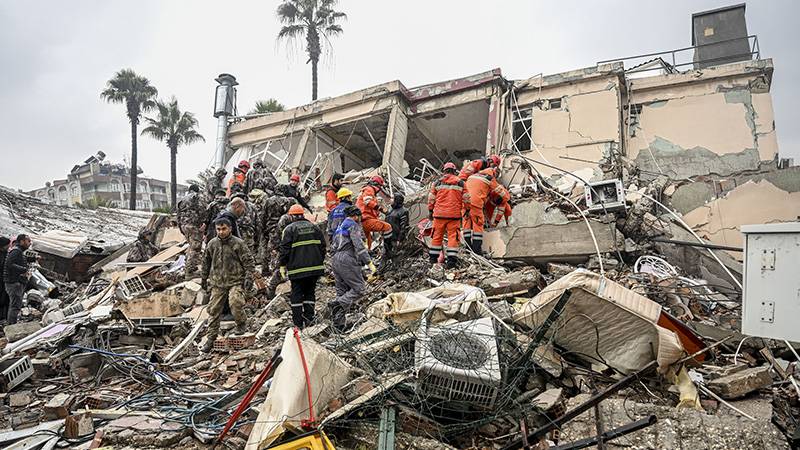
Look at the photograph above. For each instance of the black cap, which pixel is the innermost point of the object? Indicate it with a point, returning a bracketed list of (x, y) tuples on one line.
[(222, 220), (194, 188)]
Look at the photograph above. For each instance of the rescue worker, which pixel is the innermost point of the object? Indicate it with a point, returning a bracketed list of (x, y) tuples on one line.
[(371, 207), (477, 165), (274, 208), (497, 208), (248, 224), (302, 253), (479, 187), (4, 244), (213, 209), (349, 256), (335, 217), (237, 178), (143, 249), (226, 264), (292, 190), (244, 165), (259, 177), (398, 217), (190, 221), (213, 184), (331, 191), (15, 276), (445, 203), (276, 279)]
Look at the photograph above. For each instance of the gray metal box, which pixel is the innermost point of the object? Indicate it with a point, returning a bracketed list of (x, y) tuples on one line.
[(771, 298), (720, 36)]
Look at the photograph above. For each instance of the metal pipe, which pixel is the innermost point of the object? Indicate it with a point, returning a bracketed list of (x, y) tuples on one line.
[(222, 141), (580, 409), (697, 244), (609, 435)]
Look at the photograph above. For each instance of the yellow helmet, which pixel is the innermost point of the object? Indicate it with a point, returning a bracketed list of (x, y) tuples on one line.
[(344, 192)]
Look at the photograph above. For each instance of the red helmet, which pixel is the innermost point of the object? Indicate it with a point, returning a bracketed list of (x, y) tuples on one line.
[(494, 160), (295, 177), (377, 179), (296, 210), (244, 163), (449, 166)]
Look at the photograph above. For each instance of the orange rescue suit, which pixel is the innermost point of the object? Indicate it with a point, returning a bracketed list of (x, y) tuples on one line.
[(445, 203), (370, 214)]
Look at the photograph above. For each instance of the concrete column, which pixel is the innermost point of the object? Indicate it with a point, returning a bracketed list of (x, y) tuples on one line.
[(394, 151), (297, 155)]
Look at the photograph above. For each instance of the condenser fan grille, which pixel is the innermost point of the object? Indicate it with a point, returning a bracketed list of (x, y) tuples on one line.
[(459, 349)]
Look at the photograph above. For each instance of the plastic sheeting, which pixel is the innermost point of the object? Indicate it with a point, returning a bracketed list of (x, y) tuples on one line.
[(287, 399), (449, 301), (604, 322)]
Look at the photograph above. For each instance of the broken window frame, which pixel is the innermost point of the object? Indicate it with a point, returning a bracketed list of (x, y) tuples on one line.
[(634, 118), (525, 131)]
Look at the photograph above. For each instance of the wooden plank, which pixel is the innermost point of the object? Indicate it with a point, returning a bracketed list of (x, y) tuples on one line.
[(164, 255)]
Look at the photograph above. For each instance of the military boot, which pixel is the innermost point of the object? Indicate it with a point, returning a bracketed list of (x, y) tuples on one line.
[(451, 262), (210, 339)]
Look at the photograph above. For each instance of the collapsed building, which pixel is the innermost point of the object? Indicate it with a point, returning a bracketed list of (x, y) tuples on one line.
[(609, 312)]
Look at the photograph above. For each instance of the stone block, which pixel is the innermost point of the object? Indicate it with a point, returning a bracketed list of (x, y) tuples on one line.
[(741, 383), (17, 399), (20, 330), (58, 407)]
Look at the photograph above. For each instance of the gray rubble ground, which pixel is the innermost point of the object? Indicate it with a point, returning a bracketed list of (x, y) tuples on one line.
[(680, 429)]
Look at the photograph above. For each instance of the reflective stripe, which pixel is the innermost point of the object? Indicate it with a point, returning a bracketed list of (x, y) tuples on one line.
[(435, 247), (452, 251), (310, 242), (453, 187), (306, 269)]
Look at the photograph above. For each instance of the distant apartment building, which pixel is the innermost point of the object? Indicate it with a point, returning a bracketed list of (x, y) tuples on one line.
[(97, 181)]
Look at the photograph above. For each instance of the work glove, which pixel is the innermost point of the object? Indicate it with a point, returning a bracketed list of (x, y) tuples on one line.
[(372, 269), (498, 200), (282, 271)]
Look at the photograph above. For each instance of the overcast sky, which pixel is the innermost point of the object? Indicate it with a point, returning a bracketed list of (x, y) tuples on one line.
[(56, 56)]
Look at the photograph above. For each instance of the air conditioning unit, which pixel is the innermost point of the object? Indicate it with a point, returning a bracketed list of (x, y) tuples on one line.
[(604, 196), (459, 362)]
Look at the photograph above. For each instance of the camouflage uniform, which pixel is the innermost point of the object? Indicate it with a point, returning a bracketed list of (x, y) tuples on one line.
[(249, 227), (212, 211), (274, 207), (259, 177), (142, 250), (226, 265), (191, 213), (214, 183)]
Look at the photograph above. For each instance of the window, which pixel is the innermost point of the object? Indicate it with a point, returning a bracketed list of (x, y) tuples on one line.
[(115, 186), (634, 113), (74, 190), (522, 126), (555, 103)]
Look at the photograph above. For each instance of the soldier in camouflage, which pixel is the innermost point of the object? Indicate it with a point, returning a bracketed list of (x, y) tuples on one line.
[(213, 209), (249, 224), (259, 177), (214, 184), (191, 211), (227, 263), (142, 249)]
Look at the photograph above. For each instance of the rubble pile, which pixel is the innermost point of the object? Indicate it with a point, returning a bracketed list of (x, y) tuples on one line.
[(623, 345)]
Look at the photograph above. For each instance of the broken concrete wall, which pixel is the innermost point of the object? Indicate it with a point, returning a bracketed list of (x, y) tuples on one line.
[(751, 203), (578, 119), (394, 150), (716, 121)]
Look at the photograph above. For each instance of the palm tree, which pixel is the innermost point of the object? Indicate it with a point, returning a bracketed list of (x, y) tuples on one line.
[(138, 95), (310, 19), (176, 128), (267, 106)]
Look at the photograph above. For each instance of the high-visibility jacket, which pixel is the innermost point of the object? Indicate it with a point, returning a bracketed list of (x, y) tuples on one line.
[(237, 178), (472, 168), (480, 185), (331, 200), (368, 202), (302, 250), (446, 198)]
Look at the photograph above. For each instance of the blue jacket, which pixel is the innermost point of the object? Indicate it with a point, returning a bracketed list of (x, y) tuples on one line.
[(336, 217)]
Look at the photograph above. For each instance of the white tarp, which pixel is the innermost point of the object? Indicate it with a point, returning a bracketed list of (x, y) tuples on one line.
[(603, 320), (287, 399), (448, 299), (60, 243)]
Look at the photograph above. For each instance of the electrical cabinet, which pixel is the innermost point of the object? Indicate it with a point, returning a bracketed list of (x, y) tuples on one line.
[(771, 297)]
